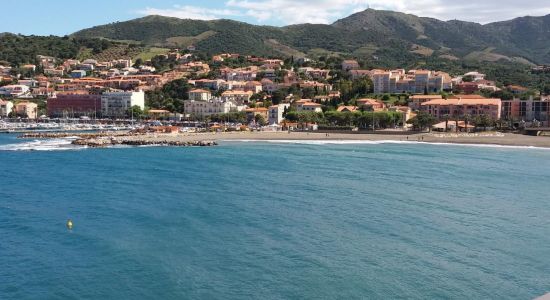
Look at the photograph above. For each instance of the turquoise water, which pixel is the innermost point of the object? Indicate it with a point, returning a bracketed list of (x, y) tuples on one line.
[(275, 221)]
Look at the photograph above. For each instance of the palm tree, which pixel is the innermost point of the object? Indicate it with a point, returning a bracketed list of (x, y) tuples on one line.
[(446, 116), (466, 122)]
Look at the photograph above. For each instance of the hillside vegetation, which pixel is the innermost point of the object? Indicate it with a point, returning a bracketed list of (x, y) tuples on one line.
[(367, 33)]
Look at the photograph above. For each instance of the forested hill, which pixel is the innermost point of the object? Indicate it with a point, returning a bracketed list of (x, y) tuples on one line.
[(19, 49), (365, 34), (383, 38)]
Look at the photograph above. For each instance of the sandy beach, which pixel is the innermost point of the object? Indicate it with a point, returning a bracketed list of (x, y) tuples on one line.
[(507, 139)]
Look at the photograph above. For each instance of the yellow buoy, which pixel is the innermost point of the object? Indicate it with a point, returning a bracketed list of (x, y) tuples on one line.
[(70, 224)]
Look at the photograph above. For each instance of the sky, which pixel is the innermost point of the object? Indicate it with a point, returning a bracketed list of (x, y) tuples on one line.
[(61, 17)]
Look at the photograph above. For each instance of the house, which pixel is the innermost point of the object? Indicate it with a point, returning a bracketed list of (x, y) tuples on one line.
[(29, 67), (269, 86), (16, 90), (406, 112), (350, 64), (78, 74), (461, 107), (200, 95), (27, 109), (516, 89), (347, 108), (370, 104), (251, 114), (55, 71), (305, 105), (201, 109), (253, 86), (6, 108), (475, 76), (275, 114), (357, 74), (239, 97), (467, 87)]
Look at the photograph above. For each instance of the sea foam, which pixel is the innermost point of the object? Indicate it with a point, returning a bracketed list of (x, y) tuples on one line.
[(42, 145), (381, 142)]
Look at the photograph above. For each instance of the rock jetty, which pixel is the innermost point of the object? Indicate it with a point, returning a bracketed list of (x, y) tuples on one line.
[(106, 142)]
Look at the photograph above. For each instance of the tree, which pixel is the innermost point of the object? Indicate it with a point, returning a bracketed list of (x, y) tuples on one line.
[(138, 63), (260, 120), (422, 120), (135, 112)]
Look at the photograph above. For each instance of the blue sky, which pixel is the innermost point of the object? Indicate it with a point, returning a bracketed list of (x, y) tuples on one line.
[(60, 17)]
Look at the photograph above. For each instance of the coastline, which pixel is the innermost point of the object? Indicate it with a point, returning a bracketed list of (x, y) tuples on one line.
[(497, 139), (108, 139)]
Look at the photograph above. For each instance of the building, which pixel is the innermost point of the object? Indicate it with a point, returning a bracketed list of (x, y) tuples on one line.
[(370, 104), (74, 106), (251, 114), (416, 101), (239, 97), (200, 95), (305, 105), (27, 109), (16, 90), (6, 108), (117, 104), (157, 114), (529, 110), (474, 76), (516, 89), (275, 113), (78, 74), (201, 109), (413, 81), (467, 87), (460, 107), (347, 108), (406, 114), (350, 64)]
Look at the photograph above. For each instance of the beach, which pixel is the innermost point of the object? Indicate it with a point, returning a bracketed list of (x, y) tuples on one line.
[(502, 139)]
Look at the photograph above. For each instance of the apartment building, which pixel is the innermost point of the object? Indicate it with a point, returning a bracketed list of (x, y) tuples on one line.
[(117, 104), (460, 107)]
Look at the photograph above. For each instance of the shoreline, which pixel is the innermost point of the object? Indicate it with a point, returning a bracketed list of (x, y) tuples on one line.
[(105, 139), (496, 139)]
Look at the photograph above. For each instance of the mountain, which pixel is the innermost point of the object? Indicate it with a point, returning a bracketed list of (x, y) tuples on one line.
[(385, 34)]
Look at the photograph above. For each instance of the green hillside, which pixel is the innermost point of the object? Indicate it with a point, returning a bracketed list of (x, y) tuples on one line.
[(381, 38), (367, 33)]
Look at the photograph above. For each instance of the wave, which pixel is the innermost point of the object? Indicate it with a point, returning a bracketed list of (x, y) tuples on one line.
[(381, 142), (43, 145)]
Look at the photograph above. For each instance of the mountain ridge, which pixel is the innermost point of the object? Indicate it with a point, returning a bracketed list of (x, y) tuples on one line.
[(523, 38)]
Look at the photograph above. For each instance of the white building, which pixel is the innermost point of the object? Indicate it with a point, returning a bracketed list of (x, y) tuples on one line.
[(17, 90), (206, 108), (200, 95), (305, 105), (117, 104), (476, 76), (275, 113), (6, 108), (239, 97)]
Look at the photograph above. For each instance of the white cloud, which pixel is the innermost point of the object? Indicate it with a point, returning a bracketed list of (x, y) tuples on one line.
[(301, 11), (285, 12)]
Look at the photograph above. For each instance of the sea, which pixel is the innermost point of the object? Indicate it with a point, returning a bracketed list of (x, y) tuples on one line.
[(274, 220)]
